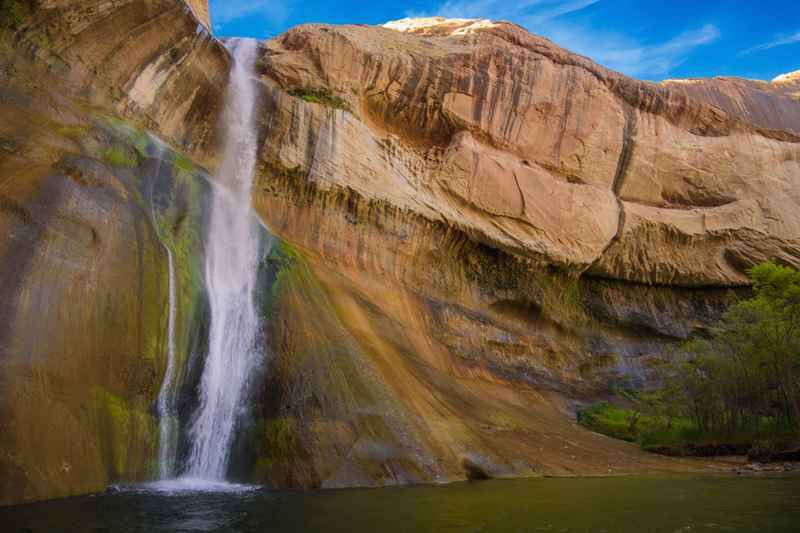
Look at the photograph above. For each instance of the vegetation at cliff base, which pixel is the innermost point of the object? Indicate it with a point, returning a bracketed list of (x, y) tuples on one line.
[(634, 425), (739, 386)]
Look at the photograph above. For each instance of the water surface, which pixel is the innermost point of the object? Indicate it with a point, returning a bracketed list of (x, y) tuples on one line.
[(618, 505)]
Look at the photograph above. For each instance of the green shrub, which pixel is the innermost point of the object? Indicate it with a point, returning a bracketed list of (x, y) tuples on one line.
[(320, 95), (184, 164), (745, 378), (736, 388), (13, 12), (649, 430), (612, 421)]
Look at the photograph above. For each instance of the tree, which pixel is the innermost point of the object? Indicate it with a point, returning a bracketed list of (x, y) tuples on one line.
[(744, 378)]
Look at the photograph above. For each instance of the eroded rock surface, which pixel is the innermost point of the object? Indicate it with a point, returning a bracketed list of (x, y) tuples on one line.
[(478, 231), (543, 153), (88, 209), (484, 215)]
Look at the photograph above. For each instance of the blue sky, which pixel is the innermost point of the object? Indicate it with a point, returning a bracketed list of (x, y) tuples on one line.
[(647, 39)]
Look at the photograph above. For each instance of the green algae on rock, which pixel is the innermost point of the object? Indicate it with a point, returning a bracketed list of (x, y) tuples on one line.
[(84, 329)]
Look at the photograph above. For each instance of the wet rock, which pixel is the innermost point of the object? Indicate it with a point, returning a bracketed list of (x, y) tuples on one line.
[(476, 468), (773, 456)]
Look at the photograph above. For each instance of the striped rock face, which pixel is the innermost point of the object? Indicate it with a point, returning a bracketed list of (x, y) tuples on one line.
[(476, 231), (546, 154), (200, 8)]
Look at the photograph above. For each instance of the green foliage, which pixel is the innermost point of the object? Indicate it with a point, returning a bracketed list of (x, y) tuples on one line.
[(320, 95), (130, 145), (140, 142), (13, 12), (118, 156), (744, 378), (184, 164), (282, 262), (612, 421), (633, 425), (741, 385)]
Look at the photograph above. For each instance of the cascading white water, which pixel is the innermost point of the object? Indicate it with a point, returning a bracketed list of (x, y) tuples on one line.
[(167, 419), (232, 254)]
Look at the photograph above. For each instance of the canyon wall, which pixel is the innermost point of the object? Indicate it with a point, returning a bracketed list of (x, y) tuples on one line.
[(542, 153), (501, 231), (88, 207), (477, 231)]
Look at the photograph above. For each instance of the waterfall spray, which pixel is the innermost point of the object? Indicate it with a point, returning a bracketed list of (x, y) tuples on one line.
[(167, 426), (231, 273), (167, 417)]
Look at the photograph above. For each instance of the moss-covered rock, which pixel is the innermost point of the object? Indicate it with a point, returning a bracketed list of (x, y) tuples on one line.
[(320, 95), (83, 318)]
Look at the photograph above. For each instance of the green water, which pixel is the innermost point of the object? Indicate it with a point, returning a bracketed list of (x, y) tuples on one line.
[(635, 505)]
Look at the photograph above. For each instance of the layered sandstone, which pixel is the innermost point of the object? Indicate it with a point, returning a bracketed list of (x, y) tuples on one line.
[(767, 104), (478, 231), (200, 9), (541, 152), (471, 213), (152, 62)]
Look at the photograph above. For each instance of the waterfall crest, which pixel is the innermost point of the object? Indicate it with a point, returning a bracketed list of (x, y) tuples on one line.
[(232, 255)]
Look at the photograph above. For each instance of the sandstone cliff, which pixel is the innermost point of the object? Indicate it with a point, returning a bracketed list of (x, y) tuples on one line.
[(489, 216), (545, 154), (478, 230), (88, 209), (766, 104), (200, 9)]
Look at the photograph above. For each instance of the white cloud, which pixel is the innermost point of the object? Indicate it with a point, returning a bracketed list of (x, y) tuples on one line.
[(612, 49), (272, 12), (778, 40), (628, 55), (502, 9), (553, 10)]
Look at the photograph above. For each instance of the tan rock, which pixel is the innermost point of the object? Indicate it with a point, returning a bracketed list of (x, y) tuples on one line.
[(524, 145), (153, 62), (440, 223), (200, 9), (768, 104)]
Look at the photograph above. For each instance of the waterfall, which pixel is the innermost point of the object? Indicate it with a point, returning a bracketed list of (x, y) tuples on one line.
[(167, 422), (232, 254), (167, 417)]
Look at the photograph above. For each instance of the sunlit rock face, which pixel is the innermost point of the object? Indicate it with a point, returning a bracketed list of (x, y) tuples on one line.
[(545, 154), (439, 25), (485, 217), (479, 231), (200, 9), (767, 104), (153, 62)]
